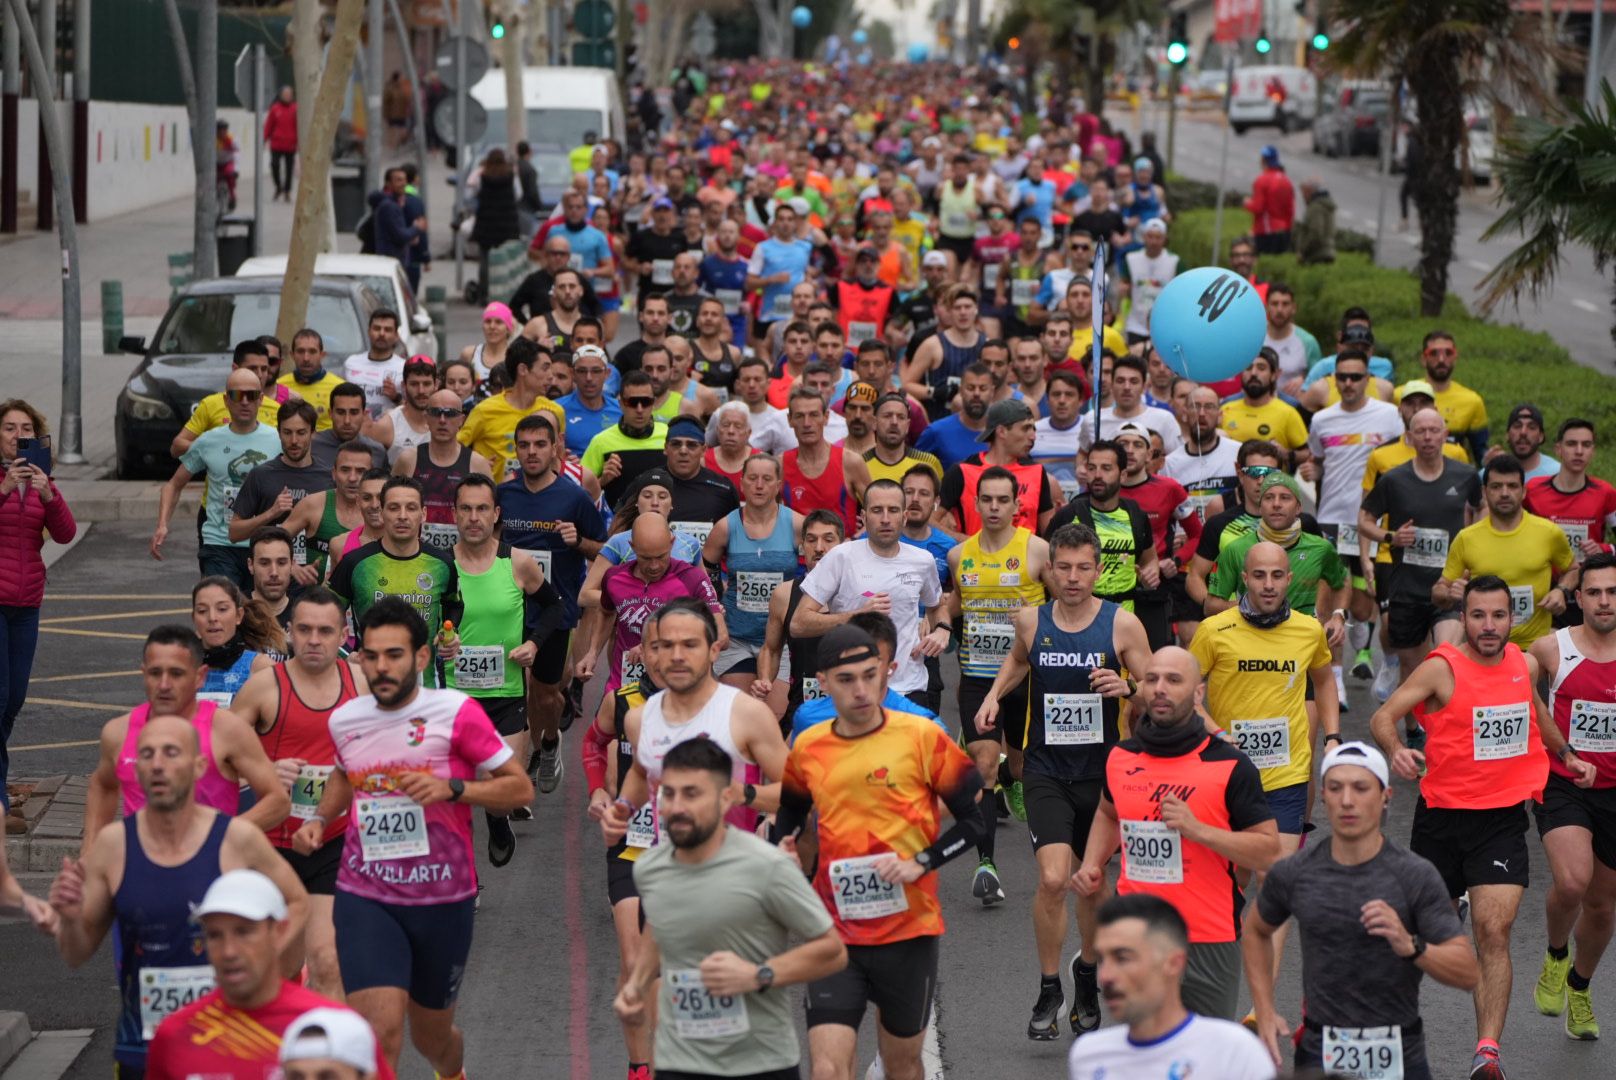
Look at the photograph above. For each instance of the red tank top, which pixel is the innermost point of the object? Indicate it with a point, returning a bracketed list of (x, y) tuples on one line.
[(214, 789), (710, 459), (1482, 749), (1583, 703), (301, 731), (826, 491), (1030, 486), (863, 312)]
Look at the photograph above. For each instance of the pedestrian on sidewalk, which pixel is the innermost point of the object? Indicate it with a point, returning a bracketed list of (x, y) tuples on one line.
[(280, 132), (1315, 233), (30, 506), (1272, 205), (395, 232)]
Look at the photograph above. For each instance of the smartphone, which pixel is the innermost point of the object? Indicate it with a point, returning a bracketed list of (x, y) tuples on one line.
[(36, 452)]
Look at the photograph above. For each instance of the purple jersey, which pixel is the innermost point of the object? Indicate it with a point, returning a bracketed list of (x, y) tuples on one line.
[(632, 601)]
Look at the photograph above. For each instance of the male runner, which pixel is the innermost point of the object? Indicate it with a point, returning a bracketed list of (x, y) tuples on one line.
[(145, 873), (331, 1044), (1374, 919), (1583, 506), (289, 707), (405, 425), (1076, 648), (1577, 825), (620, 453), (819, 476), (490, 429), (379, 369), (891, 456), (411, 762), (1167, 507), (876, 778), (1260, 413), (439, 464), (1486, 735), (1462, 408), (213, 411), (325, 515), (347, 416), (274, 487), (1127, 544), (1318, 576), (933, 376), (269, 560), (370, 519), (1010, 432), (1186, 808)]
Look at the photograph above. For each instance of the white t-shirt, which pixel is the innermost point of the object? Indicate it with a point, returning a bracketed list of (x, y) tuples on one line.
[(835, 429), (1147, 278), (771, 433), (1292, 355), (1343, 441), (851, 573), (369, 374), (1056, 450), (1153, 419), (1200, 1047), (1207, 475)]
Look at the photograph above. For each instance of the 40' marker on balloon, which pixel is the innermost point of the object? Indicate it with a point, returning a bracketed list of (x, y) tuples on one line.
[(1208, 324)]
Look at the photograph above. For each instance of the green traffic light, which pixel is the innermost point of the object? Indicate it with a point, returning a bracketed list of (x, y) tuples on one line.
[(497, 31), (1321, 41), (1177, 52), (1263, 45)]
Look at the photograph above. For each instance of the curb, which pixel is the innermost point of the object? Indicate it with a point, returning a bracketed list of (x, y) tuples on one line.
[(14, 1035), (55, 816), (124, 500)]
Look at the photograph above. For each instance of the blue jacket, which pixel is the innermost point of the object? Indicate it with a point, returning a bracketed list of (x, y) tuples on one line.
[(395, 234), (819, 710)]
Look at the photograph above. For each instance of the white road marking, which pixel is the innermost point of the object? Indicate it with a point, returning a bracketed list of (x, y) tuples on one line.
[(1585, 305), (931, 1056), (1477, 264)]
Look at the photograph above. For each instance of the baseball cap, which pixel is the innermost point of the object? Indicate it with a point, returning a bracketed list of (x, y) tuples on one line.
[(862, 393), (337, 1034), (664, 203), (1280, 479), (931, 140), (1416, 386), (244, 893), (1143, 163), (868, 252), (1000, 413), (934, 258), (1525, 411), (1360, 754), (1358, 334), (1270, 155), (846, 644), (800, 205), (686, 427), (1156, 225), (589, 350), (1138, 431)]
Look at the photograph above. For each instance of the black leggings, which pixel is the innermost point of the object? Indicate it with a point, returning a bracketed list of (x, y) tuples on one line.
[(1404, 193), (280, 166)]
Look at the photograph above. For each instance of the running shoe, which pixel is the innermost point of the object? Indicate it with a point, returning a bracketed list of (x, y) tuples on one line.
[(1045, 1022), (1001, 802), (1486, 1066), (985, 886), (1550, 993), (1017, 800), (533, 766), (550, 767), (1341, 689), (1085, 1014), (522, 813), (1580, 1022), (1363, 665), (1391, 671), (501, 840)]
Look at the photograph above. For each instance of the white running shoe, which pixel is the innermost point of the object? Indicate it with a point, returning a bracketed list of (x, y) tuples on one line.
[(1387, 678)]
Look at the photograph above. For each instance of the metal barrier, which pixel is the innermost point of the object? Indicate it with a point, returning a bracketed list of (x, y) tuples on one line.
[(181, 272), (111, 315)]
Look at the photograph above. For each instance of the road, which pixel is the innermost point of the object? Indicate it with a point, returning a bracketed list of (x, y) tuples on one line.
[(1576, 313), (538, 992)]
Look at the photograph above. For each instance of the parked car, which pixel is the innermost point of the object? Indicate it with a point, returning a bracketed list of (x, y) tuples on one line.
[(1353, 125), (1271, 95), (1475, 153), (1206, 88), (189, 356), (385, 277)]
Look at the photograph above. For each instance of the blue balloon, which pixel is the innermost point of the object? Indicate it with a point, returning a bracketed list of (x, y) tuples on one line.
[(801, 17), (918, 53), (860, 36), (1208, 324)]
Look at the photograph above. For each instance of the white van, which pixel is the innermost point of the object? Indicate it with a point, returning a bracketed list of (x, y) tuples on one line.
[(563, 105), (1272, 96)]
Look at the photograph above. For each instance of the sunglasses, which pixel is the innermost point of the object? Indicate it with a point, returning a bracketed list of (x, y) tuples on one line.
[(1082, 247), (442, 413), (684, 444), (1350, 376), (243, 395), (1441, 352), (639, 402), (1257, 472)]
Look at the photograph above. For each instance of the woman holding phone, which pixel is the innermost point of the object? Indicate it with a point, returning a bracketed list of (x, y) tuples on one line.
[(30, 506)]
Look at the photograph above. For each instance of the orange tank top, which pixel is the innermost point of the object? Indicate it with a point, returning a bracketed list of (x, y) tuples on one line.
[(1482, 749)]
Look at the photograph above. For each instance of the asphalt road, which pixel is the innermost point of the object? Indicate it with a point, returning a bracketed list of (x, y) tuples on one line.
[(538, 993), (1576, 312)]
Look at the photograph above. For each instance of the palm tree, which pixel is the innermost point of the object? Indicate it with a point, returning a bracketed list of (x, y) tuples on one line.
[(1447, 52), (1557, 184), (1050, 28)]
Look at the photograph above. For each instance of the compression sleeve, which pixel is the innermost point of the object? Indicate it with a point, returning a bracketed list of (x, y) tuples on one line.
[(596, 743), (795, 803), (542, 612), (967, 828)]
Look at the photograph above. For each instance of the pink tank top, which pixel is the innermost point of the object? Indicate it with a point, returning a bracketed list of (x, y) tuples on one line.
[(213, 790)]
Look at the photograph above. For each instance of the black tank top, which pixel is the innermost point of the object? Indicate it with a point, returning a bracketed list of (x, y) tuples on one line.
[(804, 658), (720, 373), (438, 483)]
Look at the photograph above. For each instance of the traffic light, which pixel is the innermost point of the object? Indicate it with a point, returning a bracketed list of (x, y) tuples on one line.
[(1178, 40), (1321, 36), (496, 28), (1263, 45)]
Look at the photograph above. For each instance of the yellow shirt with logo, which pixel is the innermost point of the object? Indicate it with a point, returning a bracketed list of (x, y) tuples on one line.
[(1463, 409), (1256, 689), (317, 394), (490, 430), (1528, 558), (993, 586), (1277, 421), (880, 470)]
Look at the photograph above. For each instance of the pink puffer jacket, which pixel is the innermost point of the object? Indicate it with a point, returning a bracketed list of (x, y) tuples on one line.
[(24, 518)]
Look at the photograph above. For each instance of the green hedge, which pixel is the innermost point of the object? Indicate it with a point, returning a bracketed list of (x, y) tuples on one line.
[(1505, 364)]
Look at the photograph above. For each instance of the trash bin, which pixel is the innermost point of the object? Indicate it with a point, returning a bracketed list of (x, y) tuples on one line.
[(235, 239), (348, 198)]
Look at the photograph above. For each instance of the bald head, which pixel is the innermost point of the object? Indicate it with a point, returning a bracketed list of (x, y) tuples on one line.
[(445, 399), (168, 761), (652, 541), (243, 379), (168, 730), (1171, 686), (1267, 576)]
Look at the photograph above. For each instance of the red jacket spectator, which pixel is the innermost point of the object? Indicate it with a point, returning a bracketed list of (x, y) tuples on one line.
[(280, 127), (24, 520), (1272, 203)]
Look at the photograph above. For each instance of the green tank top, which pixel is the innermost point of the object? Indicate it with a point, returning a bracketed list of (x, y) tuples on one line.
[(328, 530), (490, 627)]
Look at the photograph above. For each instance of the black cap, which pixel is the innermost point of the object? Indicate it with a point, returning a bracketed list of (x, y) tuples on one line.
[(846, 644), (658, 477), (1358, 334), (1525, 411)]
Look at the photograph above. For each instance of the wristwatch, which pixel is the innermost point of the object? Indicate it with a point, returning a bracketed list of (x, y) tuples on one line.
[(457, 788), (1336, 735), (923, 860), (765, 977), (1419, 948)]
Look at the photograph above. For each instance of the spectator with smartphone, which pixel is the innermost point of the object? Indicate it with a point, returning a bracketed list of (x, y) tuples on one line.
[(30, 506)]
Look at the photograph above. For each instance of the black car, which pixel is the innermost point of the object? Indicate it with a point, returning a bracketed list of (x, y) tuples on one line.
[(189, 358), (1352, 126)]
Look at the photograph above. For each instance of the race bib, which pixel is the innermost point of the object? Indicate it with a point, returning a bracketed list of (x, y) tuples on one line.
[(1266, 742), (1576, 534), (1522, 603), (1593, 726), (859, 891), (987, 641), (753, 589), (1346, 540), (1430, 549), (1023, 291), (229, 492), (781, 307), (811, 689), (1144, 297), (642, 826), (168, 990), (698, 1013), (956, 222), (990, 276), (731, 299), (575, 261), (1070, 489), (632, 671), (662, 271), (443, 535), (1199, 501), (696, 530), (479, 667), (1364, 1053), (545, 559), (393, 827), (307, 790), (1152, 853), (1499, 731), (1073, 720), (860, 332)]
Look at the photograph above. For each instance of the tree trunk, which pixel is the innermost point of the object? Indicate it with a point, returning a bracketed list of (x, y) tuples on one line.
[(206, 263), (307, 234), (202, 226), (306, 77), (510, 61), (1434, 81)]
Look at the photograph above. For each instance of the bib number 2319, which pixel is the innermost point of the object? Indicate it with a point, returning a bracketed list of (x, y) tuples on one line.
[(1364, 1053)]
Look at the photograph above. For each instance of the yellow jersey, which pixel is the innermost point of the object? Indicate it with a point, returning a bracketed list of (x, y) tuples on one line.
[(993, 586), (1256, 689), (212, 412), (1277, 421), (1083, 343), (1463, 409), (1528, 558), (880, 470), (317, 394), (490, 430)]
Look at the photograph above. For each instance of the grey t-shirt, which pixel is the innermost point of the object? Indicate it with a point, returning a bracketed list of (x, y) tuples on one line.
[(1349, 977), (1437, 510), (326, 444), (748, 899), (263, 486)]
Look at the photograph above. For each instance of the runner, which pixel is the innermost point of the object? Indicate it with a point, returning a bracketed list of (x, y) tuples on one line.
[(635, 443), (407, 886), (1486, 733), (1168, 508), (1127, 545), (331, 1044), (819, 476), (1128, 376), (820, 531), (379, 370), (1186, 808), (1010, 432), (934, 375), (370, 519), (439, 465), (1374, 920), (1578, 826), (1000, 569), (1055, 436), (1583, 506), (701, 497), (757, 546), (490, 428), (1144, 946), (274, 487), (877, 844), (589, 408), (1259, 413), (214, 411), (269, 559), (239, 636), (405, 425), (142, 877), (891, 457), (326, 515), (721, 906), (1318, 578), (1462, 408), (173, 671), (957, 435), (1075, 648), (347, 417)]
